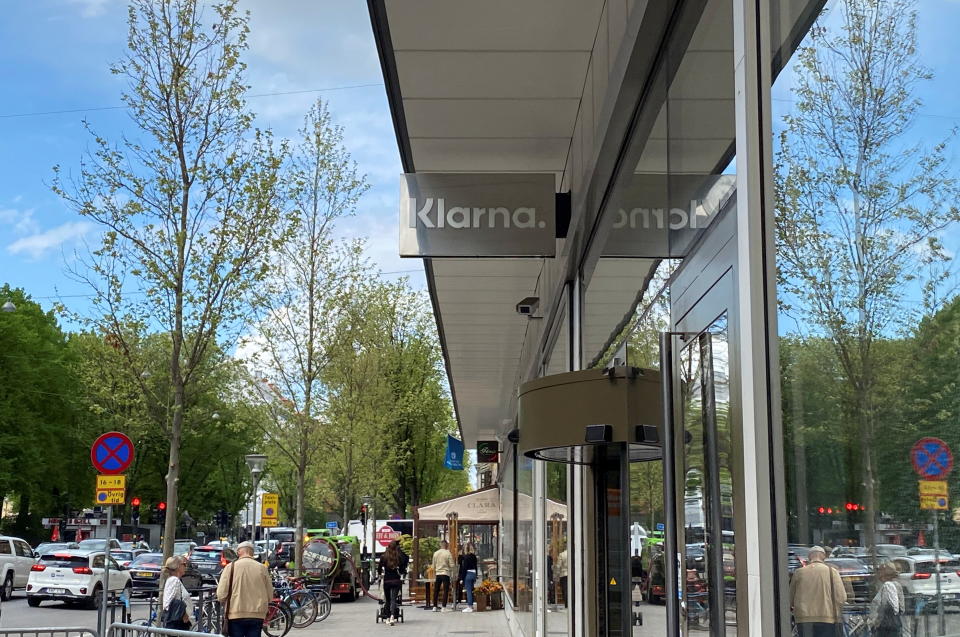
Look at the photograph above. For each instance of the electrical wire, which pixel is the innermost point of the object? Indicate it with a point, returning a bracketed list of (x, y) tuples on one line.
[(114, 108)]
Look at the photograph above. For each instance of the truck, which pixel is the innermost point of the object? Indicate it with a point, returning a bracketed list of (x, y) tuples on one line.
[(335, 561), (378, 534)]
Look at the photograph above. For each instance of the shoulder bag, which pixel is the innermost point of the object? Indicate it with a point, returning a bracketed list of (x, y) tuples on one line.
[(175, 615), (224, 621)]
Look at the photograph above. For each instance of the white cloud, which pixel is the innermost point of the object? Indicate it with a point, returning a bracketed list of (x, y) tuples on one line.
[(92, 8), (38, 245), (21, 221)]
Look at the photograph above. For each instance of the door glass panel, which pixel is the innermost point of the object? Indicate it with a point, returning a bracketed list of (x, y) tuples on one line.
[(705, 533)]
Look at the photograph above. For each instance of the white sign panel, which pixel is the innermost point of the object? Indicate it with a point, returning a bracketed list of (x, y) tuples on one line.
[(477, 215)]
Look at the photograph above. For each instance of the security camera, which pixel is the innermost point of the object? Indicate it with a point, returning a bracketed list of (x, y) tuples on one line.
[(528, 306)]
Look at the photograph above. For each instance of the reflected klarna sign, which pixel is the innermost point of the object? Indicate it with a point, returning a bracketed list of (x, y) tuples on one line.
[(477, 215)]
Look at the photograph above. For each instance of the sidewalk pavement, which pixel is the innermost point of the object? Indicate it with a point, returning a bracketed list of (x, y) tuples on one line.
[(350, 618)]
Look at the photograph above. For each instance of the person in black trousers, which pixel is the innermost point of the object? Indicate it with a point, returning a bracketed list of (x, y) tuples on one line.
[(391, 566)]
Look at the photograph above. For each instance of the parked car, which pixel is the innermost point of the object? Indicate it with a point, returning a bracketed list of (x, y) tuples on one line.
[(51, 547), (856, 578), (16, 558), (74, 577), (284, 554), (918, 577), (124, 558), (134, 546), (183, 547), (208, 560), (145, 574), (99, 544)]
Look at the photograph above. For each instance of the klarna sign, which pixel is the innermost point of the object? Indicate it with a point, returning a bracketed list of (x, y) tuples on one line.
[(477, 215)]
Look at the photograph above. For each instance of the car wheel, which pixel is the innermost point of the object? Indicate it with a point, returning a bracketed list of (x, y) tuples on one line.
[(7, 591), (33, 602), (94, 602)]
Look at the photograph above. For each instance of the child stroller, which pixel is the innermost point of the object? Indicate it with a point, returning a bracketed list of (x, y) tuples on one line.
[(382, 610)]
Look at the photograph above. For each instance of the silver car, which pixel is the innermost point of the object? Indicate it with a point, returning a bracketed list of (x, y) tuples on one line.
[(918, 577)]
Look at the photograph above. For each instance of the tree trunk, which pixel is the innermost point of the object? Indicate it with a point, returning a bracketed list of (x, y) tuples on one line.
[(173, 474), (301, 490)]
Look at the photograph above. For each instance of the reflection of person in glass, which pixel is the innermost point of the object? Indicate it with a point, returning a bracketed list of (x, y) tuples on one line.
[(887, 606), (560, 571), (816, 596)]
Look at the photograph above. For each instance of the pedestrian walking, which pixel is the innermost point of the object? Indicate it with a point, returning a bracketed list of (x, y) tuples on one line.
[(177, 607), (443, 567), (245, 591), (817, 595), (392, 568), (468, 574), (887, 606)]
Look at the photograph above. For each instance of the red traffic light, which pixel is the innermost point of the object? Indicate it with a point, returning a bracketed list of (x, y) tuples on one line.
[(821, 510), (135, 502), (162, 506)]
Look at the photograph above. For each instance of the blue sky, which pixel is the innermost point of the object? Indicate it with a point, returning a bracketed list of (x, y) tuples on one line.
[(56, 57)]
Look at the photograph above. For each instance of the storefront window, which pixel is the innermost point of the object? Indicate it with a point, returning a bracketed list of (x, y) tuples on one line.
[(558, 557), (508, 536), (866, 174), (523, 598)]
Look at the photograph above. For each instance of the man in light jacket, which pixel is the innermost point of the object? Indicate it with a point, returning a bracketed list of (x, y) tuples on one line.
[(247, 584), (443, 567), (817, 595)]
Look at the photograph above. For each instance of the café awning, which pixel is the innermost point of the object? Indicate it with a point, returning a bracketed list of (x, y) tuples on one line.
[(477, 507)]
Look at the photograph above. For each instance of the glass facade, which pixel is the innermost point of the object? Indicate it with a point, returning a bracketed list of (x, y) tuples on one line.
[(865, 170)]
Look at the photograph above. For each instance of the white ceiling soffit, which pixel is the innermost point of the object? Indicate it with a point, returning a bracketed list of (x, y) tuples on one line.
[(491, 86), (484, 335)]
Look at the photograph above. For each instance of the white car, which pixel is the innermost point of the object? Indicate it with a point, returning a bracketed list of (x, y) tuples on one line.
[(74, 576), (16, 558), (918, 577)]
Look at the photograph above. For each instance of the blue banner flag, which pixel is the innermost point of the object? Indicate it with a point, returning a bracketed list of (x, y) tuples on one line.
[(454, 456)]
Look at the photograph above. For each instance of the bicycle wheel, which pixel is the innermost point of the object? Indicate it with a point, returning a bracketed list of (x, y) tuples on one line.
[(278, 621), (145, 623), (303, 605), (323, 605)]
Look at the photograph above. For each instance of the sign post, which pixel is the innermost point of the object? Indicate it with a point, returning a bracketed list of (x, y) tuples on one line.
[(932, 461), (111, 454)]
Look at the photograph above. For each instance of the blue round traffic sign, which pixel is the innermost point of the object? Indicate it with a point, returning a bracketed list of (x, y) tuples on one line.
[(111, 453), (931, 458)]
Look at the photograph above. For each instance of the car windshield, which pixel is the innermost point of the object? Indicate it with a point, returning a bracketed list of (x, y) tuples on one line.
[(148, 560), (93, 545), (181, 547), (64, 560), (930, 567), (207, 553), (122, 555)]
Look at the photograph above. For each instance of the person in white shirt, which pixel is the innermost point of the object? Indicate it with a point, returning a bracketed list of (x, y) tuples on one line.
[(887, 605), (173, 589)]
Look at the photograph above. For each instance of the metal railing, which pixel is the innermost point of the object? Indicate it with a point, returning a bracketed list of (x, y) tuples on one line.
[(134, 630), (59, 631)]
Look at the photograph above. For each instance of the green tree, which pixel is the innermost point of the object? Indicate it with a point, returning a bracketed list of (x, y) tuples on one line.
[(190, 210), (859, 208), (38, 414), (308, 287)]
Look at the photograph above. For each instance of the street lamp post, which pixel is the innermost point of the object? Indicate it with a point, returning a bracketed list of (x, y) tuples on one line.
[(256, 462), (371, 522)]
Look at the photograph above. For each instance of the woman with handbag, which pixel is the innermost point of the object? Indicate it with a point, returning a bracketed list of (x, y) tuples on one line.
[(887, 605), (177, 607)]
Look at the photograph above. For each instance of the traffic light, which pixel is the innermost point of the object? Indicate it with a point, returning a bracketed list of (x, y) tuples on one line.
[(158, 511), (135, 511)]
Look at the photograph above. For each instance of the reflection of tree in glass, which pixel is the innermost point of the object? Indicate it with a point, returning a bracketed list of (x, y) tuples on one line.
[(859, 206)]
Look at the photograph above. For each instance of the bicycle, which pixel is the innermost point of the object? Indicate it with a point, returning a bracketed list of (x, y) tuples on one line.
[(279, 619), (303, 603)]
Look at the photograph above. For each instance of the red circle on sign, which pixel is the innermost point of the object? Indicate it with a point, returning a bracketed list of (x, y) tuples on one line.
[(931, 458), (111, 453), (386, 534)]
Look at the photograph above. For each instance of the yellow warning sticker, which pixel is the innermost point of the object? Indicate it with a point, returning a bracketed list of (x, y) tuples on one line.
[(613, 582)]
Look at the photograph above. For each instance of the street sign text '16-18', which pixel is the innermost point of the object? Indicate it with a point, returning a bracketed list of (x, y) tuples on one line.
[(111, 490)]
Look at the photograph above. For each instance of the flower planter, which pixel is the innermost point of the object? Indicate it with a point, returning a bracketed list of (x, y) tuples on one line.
[(482, 601)]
